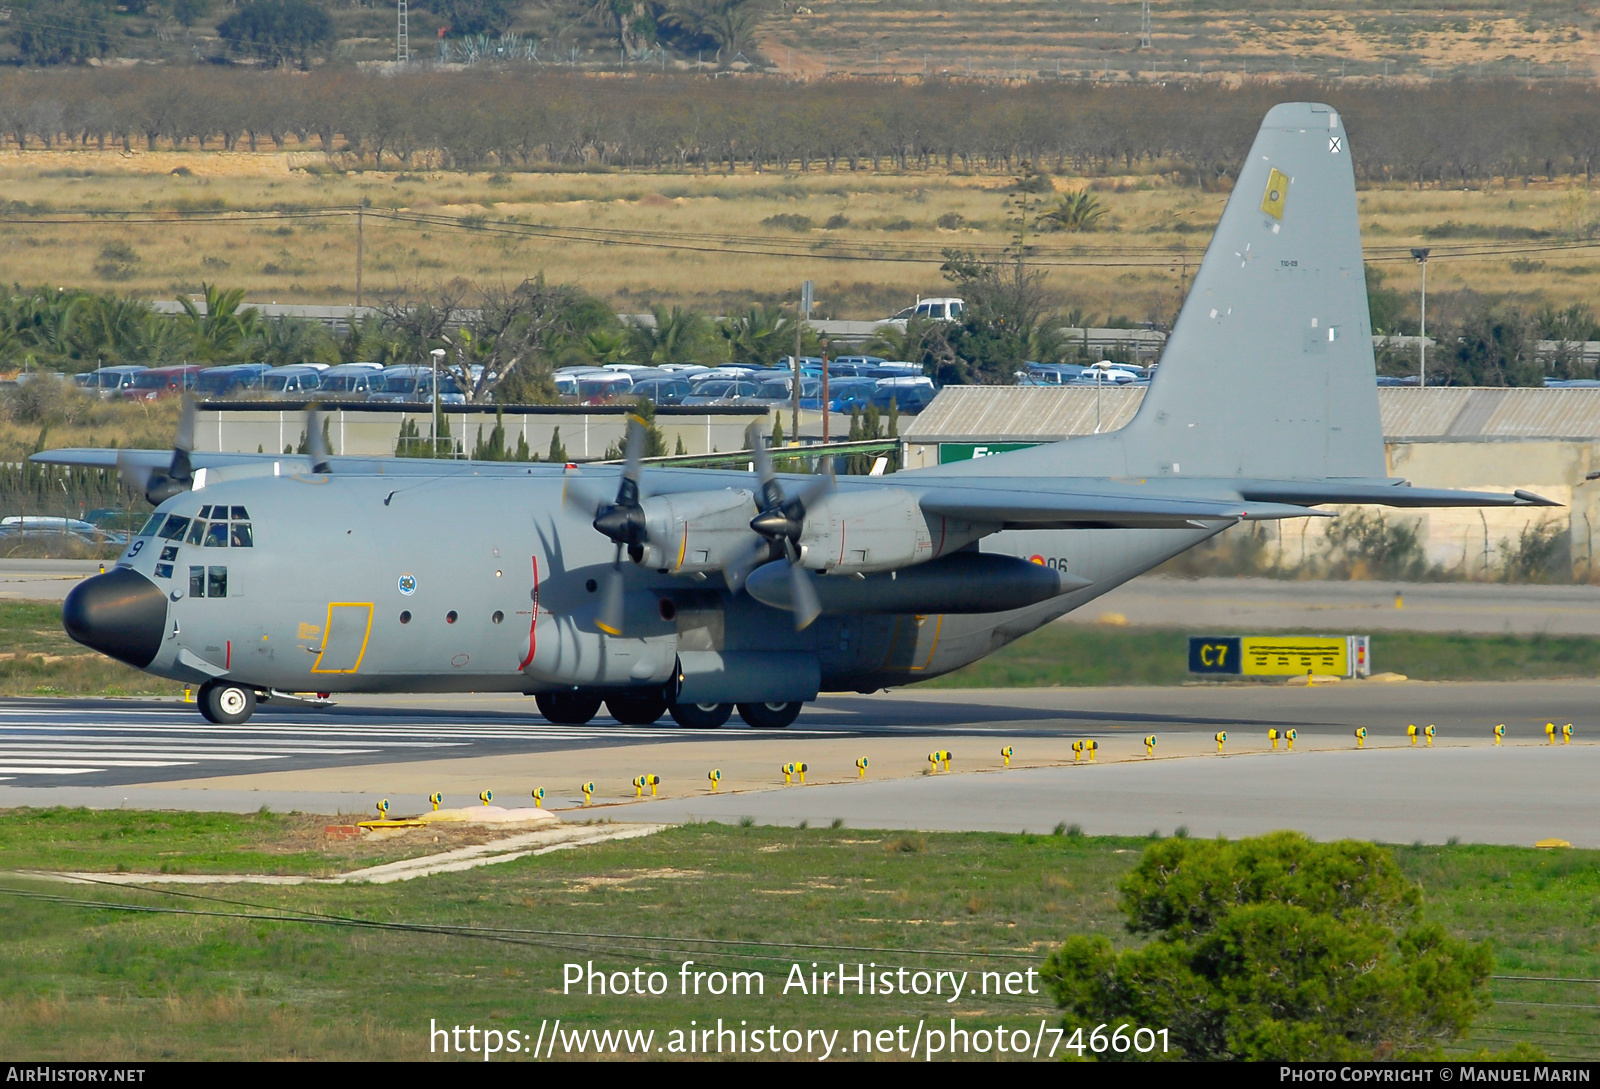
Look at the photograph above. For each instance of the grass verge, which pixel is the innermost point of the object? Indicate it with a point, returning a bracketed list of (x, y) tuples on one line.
[(96, 983), (1074, 656), (40, 660)]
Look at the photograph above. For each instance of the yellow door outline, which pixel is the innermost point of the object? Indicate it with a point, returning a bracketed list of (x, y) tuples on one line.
[(327, 630)]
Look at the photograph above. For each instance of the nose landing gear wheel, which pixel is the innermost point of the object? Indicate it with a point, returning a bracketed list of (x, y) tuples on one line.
[(701, 716), (769, 716), (567, 708), (640, 710), (226, 704)]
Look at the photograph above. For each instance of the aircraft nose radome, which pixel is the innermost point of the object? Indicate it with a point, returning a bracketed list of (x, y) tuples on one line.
[(121, 614)]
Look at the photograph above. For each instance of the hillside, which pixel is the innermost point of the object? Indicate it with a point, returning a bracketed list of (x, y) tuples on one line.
[(1076, 39)]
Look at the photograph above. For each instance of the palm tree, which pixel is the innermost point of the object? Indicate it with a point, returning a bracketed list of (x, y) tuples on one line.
[(759, 336), (110, 330), (678, 336), (223, 327), (1075, 211), (731, 24)]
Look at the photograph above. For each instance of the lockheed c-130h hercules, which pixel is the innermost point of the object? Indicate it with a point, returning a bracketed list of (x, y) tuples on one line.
[(692, 592)]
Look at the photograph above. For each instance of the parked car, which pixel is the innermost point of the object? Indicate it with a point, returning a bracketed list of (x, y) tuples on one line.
[(663, 391), (721, 393), (156, 382), (1052, 374), (593, 385), (850, 394), (108, 381), (297, 380), (780, 391), (412, 383), (225, 381), (908, 400), (940, 309), (351, 380)]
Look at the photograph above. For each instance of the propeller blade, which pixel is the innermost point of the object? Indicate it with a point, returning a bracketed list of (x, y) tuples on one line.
[(609, 619), (133, 474), (316, 441), (771, 493), (582, 495), (803, 595), (737, 569), (181, 470)]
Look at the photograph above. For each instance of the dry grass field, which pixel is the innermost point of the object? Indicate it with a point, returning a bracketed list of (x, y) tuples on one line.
[(1099, 39), (196, 229)]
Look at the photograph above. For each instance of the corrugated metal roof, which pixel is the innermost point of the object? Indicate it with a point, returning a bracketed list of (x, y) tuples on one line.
[(1022, 413)]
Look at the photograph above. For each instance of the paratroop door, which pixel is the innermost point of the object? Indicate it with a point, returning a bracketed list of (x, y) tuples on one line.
[(344, 639)]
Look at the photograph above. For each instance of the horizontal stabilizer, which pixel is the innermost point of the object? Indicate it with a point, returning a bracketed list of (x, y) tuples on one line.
[(1385, 495), (1020, 504)]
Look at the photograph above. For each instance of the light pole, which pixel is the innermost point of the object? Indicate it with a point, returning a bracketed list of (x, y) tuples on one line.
[(437, 354), (1421, 254)]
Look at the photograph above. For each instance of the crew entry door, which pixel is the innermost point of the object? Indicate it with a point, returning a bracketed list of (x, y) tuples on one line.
[(344, 639)]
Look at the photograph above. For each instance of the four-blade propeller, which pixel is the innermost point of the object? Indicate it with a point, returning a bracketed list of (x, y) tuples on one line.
[(156, 485), (778, 524), (622, 520)]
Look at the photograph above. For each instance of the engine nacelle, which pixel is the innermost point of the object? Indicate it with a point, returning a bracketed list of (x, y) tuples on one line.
[(692, 532), (879, 529)]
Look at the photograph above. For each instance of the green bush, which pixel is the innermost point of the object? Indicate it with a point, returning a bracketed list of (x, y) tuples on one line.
[(1275, 948)]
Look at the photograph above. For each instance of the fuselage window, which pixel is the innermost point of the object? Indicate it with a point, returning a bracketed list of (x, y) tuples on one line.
[(197, 582), (241, 533), (197, 532), (217, 535), (217, 582), (174, 528)]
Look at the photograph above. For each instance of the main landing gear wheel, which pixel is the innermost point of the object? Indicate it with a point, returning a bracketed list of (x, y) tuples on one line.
[(567, 708), (700, 716), (226, 704), (769, 716), (637, 710)]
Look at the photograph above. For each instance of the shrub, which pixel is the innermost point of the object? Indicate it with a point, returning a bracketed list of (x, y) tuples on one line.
[(1275, 948)]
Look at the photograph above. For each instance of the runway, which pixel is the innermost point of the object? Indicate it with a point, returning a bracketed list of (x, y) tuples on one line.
[(146, 753)]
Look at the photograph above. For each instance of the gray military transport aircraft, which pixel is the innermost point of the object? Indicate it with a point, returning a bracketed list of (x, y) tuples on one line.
[(691, 592)]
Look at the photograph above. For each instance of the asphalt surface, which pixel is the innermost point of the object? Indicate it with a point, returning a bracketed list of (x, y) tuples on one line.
[(150, 754), (128, 742)]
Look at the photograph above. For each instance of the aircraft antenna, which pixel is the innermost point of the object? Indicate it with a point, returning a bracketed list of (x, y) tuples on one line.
[(1144, 24)]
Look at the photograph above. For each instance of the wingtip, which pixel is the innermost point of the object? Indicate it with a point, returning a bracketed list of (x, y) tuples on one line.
[(1533, 499)]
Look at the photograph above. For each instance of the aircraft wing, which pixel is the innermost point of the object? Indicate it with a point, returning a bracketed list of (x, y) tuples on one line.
[(1027, 506), (1393, 494), (103, 458)]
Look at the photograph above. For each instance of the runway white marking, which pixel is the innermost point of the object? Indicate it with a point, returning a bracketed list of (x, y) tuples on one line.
[(49, 771)]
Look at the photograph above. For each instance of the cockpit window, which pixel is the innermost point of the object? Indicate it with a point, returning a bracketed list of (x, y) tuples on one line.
[(175, 528), (197, 532), (240, 514), (217, 535), (153, 524), (241, 534)]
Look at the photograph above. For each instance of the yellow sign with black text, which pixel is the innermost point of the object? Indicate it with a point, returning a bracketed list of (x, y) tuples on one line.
[(1288, 655)]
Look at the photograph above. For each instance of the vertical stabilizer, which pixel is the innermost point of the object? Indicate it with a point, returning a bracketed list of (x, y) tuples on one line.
[(1269, 370)]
